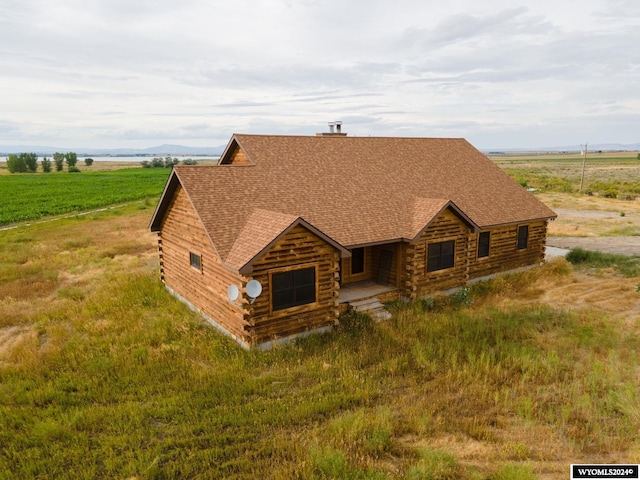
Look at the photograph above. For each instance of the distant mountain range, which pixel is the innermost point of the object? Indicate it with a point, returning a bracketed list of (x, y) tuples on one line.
[(160, 150), (604, 147), (181, 150)]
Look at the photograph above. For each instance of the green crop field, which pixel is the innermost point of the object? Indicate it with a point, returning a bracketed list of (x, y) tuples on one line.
[(32, 196)]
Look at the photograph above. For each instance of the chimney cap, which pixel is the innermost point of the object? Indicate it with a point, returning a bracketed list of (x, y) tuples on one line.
[(335, 129)]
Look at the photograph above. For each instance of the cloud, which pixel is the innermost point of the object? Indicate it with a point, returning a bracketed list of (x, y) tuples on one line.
[(114, 72)]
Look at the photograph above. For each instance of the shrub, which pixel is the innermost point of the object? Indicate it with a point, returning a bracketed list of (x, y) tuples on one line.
[(46, 165), (71, 158), (462, 298), (427, 304), (577, 256), (73, 169), (604, 189), (31, 161), (170, 162), (88, 162), (189, 161), (16, 164), (627, 266), (58, 159)]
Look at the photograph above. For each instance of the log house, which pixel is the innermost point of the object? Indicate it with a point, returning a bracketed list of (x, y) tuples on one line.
[(324, 221)]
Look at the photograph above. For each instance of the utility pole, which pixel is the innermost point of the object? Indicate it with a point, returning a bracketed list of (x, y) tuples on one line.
[(584, 163)]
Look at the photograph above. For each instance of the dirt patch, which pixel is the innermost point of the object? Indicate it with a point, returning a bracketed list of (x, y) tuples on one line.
[(592, 223), (597, 214), (603, 291)]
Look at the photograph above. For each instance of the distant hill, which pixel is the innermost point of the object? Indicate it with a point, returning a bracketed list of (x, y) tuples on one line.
[(159, 150), (181, 150), (605, 147)]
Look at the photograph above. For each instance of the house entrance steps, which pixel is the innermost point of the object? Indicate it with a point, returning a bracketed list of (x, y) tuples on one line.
[(367, 297), (371, 307)]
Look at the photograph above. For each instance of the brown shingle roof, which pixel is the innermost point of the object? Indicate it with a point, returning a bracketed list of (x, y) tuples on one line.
[(357, 190)]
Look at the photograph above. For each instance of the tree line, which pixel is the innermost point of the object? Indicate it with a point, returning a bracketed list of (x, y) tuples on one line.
[(167, 162), (28, 162)]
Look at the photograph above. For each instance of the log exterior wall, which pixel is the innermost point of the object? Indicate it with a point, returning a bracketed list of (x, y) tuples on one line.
[(394, 270), (345, 272), (299, 248), (372, 265), (206, 289), (416, 281), (503, 252), (182, 233)]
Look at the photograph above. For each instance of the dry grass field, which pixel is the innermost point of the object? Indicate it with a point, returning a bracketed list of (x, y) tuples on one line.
[(104, 375)]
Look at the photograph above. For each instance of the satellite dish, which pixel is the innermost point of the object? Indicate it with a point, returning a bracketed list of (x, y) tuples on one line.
[(254, 289), (232, 293)]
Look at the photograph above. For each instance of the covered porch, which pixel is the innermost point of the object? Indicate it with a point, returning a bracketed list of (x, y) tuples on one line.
[(366, 296), (371, 273), (365, 289)]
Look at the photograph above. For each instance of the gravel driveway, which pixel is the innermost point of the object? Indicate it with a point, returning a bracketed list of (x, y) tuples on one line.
[(621, 245)]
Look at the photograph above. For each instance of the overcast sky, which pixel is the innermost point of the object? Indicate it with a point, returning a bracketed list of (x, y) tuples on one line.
[(139, 73)]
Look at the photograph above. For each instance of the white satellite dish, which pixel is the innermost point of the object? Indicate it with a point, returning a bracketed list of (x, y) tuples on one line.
[(254, 289), (232, 293)]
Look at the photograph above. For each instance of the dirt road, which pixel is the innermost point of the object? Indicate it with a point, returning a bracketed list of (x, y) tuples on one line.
[(621, 245)]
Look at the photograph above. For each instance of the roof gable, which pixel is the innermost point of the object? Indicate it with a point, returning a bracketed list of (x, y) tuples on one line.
[(262, 230), (163, 204), (426, 210), (234, 154)]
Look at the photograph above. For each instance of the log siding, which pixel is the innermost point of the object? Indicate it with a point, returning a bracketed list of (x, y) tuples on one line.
[(299, 248), (503, 249), (236, 157), (345, 271), (416, 281), (181, 234)]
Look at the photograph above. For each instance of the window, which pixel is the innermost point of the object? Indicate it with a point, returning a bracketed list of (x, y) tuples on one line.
[(441, 255), (523, 237), (483, 244), (293, 288), (357, 260), (195, 260)]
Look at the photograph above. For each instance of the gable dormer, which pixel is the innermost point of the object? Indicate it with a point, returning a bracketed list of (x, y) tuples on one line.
[(234, 154)]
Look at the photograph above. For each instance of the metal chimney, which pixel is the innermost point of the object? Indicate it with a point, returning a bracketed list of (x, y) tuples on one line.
[(335, 130)]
